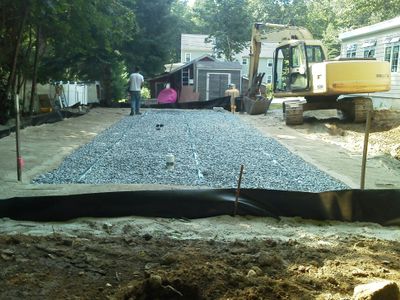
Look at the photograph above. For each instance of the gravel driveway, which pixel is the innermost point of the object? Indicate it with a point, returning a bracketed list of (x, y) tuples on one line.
[(208, 146)]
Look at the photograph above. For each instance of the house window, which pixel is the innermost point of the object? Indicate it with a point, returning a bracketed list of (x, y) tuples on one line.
[(351, 50), (269, 63), (188, 57), (395, 58), (392, 56), (369, 49), (369, 52), (186, 76), (244, 61), (388, 53), (269, 79)]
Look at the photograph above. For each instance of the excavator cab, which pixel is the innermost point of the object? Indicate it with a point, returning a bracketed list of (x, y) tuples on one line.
[(291, 66)]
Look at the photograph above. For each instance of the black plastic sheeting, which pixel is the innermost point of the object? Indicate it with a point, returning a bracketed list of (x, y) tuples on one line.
[(378, 206), (52, 117), (218, 102)]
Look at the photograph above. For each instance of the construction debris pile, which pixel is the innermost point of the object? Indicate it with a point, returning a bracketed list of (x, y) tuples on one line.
[(193, 148)]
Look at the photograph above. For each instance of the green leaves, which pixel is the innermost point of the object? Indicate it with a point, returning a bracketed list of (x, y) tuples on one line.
[(228, 23)]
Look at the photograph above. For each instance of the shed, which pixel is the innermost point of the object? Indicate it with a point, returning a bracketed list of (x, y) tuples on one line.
[(380, 41), (204, 78)]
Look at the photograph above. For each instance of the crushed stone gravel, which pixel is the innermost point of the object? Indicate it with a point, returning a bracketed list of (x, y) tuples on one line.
[(208, 147)]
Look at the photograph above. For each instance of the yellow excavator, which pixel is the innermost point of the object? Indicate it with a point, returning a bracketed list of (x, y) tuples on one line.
[(301, 69)]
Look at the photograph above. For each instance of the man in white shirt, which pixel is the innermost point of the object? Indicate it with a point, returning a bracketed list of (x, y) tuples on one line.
[(136, 81)]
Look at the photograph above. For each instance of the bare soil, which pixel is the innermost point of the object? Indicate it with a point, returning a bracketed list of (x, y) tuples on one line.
[(213, 258), (128, 262)]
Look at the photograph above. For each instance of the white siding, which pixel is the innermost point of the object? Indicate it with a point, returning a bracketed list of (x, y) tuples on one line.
[(381, 35), (195, 45), (194, 54), (266, 55)]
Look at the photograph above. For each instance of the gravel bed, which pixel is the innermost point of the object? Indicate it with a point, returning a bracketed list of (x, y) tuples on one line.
[(208, 146)]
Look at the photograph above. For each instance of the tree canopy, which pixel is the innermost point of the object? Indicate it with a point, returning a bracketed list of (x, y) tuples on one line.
[(228, 23)]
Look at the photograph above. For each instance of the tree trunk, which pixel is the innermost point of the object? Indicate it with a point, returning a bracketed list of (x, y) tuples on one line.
[(34, 73), (11, 79), (106, 82), (24, 96)]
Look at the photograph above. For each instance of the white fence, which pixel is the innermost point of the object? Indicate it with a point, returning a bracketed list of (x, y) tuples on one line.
[(74, 93), (71, 93)]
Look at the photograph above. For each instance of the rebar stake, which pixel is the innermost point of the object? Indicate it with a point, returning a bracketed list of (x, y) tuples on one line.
[(238, 190), (365, 150)]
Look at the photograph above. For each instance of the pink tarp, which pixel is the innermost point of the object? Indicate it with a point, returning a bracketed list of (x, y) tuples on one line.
[(167, 95)]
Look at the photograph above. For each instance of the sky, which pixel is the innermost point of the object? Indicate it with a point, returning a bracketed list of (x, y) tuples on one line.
[(191, 2)]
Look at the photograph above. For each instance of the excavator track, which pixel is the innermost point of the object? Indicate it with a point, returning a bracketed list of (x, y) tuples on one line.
[(353, 108), (356, 108), (293, 112)]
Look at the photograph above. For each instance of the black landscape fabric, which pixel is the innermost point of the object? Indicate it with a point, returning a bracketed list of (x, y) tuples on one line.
[(45, 118), (378, 206), (218, 102)]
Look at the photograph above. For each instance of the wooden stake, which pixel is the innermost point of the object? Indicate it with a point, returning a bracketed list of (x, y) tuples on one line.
[(365, 150), (238, 190), (17, 137)]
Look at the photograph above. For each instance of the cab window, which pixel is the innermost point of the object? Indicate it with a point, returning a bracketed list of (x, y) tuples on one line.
[(314, 54)]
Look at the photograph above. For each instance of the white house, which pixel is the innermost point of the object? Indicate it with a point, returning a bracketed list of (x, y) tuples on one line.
[(266, 61), (380, 41), (194, 46)]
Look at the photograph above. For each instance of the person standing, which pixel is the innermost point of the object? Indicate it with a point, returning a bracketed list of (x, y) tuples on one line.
[(233, 93), (136, 81)]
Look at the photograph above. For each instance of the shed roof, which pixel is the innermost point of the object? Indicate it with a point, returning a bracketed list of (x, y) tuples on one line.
[(385, 25), (219, 65), (205, 57)]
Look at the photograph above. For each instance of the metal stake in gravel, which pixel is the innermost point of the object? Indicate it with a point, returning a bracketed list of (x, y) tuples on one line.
[(364, 158), (238, 190)]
